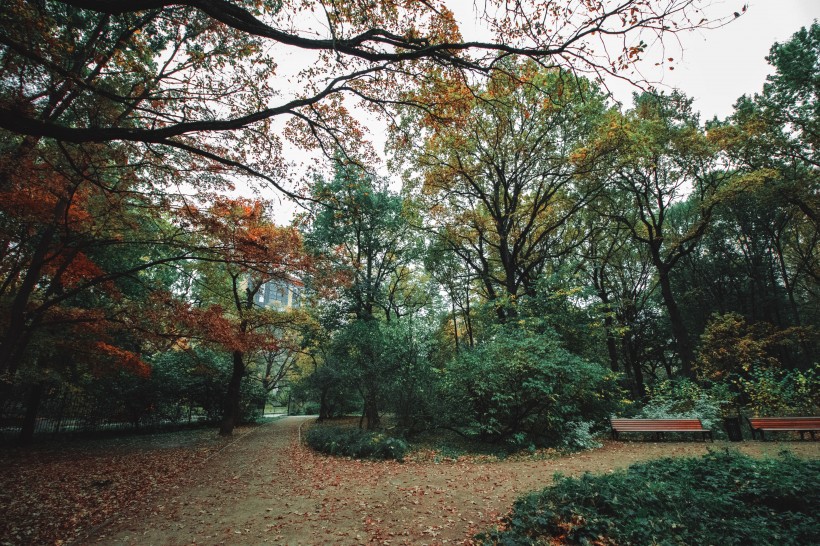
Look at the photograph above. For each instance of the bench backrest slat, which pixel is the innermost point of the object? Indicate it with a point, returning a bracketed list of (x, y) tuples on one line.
[(784, 422), (670, 425)]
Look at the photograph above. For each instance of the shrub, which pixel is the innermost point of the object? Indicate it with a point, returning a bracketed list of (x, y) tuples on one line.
[(578, 436), (756, 362), (779, 392), (521, 386), (682, 399), (355, 442), (723, 498)]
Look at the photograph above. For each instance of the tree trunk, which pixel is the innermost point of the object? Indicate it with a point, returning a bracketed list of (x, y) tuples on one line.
[(633, 369), (455, 326), (682, 342), (469, 322), (232, 397), (13, 343), (35, 396), (784, 274), (325, 410), (611, 342), (371, 412), (637, 373)]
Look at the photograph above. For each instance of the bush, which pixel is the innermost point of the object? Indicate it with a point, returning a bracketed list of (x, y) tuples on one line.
[(355, 442), (681, 399), (773, 392), (578, 436), (723, 498), (522, 387), (756, 362)]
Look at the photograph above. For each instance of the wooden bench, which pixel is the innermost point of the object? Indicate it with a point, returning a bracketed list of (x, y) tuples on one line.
[(658, 426), (798, 424)]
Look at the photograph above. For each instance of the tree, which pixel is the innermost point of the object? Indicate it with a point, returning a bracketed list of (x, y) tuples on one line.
[(760, 258), (200, 77), (621, 275), (247, 252), (445, 268), (772, 139), (363, 233), (500, 182), (791, 96), (84, 242), (69, 238), (665, 185), (362, 227)]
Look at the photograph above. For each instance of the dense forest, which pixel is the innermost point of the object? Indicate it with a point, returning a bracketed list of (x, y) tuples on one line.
[(539, 259)]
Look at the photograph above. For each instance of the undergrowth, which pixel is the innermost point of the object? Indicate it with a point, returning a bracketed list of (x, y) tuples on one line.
[(355, 442), (722, 498)]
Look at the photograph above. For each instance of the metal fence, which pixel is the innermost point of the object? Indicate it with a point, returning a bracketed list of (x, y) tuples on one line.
[(64, 410)]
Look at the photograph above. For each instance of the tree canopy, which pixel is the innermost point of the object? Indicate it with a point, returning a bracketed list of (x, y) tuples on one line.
[(206, 78), (537, 258)]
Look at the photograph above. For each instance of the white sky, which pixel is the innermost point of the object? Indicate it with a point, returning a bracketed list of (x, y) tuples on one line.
[(715, 67), (718, 66)]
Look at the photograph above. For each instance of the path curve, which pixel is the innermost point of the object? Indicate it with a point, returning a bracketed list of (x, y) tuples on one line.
[(266, 488), (226, 496)]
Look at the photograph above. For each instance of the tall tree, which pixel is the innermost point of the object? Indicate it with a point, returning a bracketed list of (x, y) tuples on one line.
[(772, 139), (362, 226), (665, 185), (448, 271), (761, 258), (500, 181), (363, 230), (79, 229), (247, 252)]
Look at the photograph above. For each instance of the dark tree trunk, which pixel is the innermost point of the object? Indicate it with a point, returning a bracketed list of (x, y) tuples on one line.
[(15, 338), (232, 397), (609, 323), (682, 342), (611, 345), (455, 326), (371, 412), (637, 374), (326, 410), (634, 371), (469, 322), (35, 396)]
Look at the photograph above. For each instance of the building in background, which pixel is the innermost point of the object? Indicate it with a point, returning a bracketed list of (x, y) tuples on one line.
[(281, 294)]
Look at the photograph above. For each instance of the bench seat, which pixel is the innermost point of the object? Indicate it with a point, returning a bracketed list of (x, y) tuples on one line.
[(658, 426), (773, 424)]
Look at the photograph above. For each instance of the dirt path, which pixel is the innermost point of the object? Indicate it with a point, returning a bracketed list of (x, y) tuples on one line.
[(267, 488)]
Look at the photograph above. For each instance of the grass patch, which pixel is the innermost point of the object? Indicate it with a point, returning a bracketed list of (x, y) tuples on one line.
[(722, 498)]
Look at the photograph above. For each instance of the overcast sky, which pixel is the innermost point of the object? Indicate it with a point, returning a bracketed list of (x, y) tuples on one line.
[(715, 67), (718, 66)]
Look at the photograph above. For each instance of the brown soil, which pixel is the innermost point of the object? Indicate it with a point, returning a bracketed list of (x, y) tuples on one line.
[(267, 488)]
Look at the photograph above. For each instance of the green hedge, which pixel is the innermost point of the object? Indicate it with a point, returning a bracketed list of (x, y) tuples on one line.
[(355, 442), (723, 498)]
